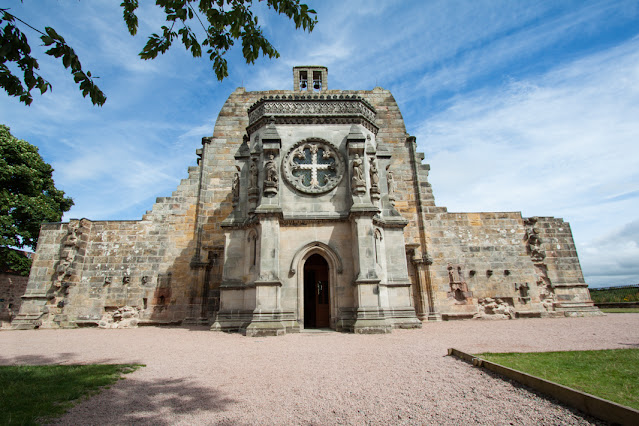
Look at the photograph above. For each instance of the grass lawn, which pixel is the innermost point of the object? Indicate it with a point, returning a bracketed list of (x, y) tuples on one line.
[(619, 310), (31, 394), (611, 374)]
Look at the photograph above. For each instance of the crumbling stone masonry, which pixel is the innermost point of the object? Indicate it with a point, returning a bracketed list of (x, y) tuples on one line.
[(12, 287), (308, 208)]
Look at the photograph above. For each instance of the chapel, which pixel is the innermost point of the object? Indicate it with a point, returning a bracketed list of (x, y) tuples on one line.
[(308, 208)]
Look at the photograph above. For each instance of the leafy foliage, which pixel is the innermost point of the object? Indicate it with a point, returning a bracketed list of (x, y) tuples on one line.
[(15, 49), (626, 293), (227, 22), (28, 197)]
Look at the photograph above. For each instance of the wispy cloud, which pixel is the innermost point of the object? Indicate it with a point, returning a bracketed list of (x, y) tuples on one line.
[(562, 144)]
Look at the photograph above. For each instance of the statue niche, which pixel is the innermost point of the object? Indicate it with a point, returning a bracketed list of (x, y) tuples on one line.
[(390, 182), (458, 287), (270, 176), (358, 183), (374, 175)]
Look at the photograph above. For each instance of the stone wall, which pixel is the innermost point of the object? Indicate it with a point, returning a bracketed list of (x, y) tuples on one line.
[(167, 265), (12, 287), (560, 266), (487, 252)]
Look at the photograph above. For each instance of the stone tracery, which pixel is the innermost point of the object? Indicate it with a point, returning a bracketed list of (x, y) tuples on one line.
[(313, 166)]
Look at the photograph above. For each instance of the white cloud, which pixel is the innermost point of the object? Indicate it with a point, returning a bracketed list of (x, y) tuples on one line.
[(562, 144)]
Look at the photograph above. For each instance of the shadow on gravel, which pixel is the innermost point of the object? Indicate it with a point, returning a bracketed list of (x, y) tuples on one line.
[(157, 402), (68, 358), (62, 358)]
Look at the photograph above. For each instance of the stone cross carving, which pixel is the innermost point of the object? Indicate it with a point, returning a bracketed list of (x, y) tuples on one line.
[(315, 165)]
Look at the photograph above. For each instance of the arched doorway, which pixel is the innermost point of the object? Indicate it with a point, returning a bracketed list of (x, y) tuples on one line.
[(316, 293)]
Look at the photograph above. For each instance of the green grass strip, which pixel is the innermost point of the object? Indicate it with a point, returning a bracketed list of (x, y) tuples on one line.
[(609, 374), (31, 394), (620, 310)]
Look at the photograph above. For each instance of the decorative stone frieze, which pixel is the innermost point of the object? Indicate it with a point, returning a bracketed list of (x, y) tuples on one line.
[(312, 109)]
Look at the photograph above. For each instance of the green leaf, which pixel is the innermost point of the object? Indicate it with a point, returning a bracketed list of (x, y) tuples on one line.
[(27, 191), (129, 16)]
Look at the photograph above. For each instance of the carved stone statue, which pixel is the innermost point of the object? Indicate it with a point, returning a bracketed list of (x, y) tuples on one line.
[(357, 182), (270, 178), (72, 236), (253, 171), (390, 181), (236, 186), (374, 172), (271, 169), (458, 285)]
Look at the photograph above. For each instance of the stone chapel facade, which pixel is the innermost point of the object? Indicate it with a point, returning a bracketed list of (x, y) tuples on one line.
[(308, 208)]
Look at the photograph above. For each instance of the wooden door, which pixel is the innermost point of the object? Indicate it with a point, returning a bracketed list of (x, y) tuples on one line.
[(321, 301), (316, 293)]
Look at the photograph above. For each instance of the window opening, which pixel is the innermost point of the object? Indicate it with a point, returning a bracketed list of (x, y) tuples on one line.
[(317, 80)]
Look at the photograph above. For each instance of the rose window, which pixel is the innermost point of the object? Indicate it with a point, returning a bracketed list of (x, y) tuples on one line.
[(313, 166)]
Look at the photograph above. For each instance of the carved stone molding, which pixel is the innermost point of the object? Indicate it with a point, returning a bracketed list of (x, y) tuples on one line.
[(319, 106)]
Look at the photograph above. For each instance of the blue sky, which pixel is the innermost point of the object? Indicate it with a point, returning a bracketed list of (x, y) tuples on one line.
[(518, 105)]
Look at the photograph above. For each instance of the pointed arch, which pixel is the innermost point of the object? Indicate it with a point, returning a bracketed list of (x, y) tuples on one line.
[(335, 268), (316, 247)]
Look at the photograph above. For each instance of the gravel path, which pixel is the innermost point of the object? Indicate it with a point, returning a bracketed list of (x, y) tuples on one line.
[(194, 376)]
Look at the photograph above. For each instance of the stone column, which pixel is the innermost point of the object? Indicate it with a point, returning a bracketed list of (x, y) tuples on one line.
[(426, 310), (267, 315), (370, 316)]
